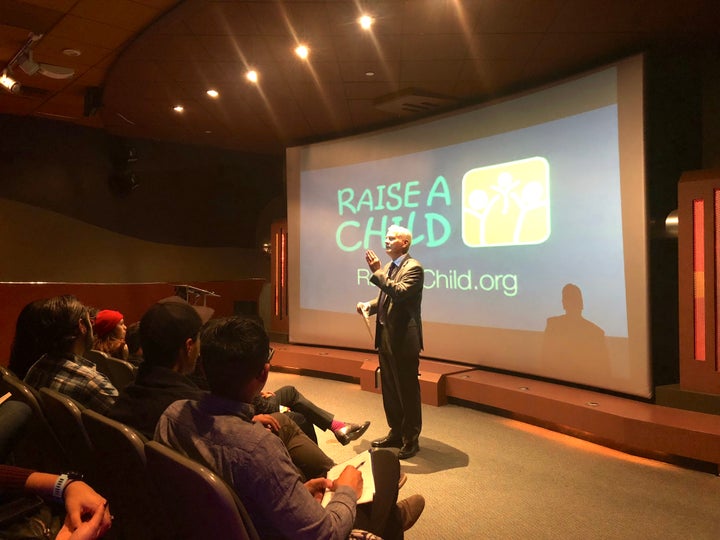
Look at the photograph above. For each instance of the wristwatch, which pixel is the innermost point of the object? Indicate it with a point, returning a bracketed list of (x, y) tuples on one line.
[(63, 481)]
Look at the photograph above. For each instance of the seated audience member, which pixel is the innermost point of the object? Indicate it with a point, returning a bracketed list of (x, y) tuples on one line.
[(109, 330), (132, 338), (219, 432), (169, 339), (310, 414), (25, 349), (64, 333), (301, 410), (87, 514), (168, 336)]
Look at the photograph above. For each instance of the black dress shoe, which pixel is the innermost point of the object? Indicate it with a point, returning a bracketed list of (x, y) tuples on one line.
[(350, 432), (408, 450), (387, 442)]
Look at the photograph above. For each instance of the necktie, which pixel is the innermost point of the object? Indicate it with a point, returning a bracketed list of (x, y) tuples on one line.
[(382, 309)]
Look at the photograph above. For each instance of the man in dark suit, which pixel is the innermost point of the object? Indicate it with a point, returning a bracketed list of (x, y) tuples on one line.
[(398, 338)]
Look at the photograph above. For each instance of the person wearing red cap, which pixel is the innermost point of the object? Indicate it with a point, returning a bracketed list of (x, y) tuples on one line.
[(109, 330)]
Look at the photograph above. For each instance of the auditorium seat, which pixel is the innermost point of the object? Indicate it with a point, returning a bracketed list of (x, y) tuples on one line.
[(122, 479), (40, 448), (187, 486), (120, 372), (5, 372), (64, 416)]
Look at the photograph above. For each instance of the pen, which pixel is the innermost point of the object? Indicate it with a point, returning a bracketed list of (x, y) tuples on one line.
[(360, 464)]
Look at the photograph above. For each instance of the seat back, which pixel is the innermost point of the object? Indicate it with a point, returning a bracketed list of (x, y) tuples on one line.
[(5, 372), (64, 416), (187, 486), (119, 372), (122, 478), (40, 448)]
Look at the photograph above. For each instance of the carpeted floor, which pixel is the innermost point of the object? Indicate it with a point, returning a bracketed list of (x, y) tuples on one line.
[(484, 476)]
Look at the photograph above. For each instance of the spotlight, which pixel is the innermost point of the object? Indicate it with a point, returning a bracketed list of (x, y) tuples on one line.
[(302, 51), (366, 21), (10, 84)]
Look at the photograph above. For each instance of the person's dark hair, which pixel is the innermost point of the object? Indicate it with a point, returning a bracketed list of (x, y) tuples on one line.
[(132, 338), (164, 329), (25, 349), (233, 351), (48, 326), (60, 316)]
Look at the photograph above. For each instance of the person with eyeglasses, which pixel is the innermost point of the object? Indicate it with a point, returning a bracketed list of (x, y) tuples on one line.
[(219, 432), (169, 339)]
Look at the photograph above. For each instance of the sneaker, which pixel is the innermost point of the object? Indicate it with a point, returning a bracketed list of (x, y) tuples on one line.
[(410, 510)]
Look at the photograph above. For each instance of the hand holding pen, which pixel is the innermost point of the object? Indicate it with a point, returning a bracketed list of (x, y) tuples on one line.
[(352, 477)]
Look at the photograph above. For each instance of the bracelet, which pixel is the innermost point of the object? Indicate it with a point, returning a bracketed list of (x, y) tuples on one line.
[(61, 484)]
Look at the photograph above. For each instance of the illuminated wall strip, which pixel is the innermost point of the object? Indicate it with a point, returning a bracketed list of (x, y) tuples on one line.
[(276, 280), (283, 272), (716, 227), (279, 271), (699, 277)]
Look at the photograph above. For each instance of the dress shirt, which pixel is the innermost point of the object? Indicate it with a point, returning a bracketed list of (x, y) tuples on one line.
[(382, 299), (220, 434)]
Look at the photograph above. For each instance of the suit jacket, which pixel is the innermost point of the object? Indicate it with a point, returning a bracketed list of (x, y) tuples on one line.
[(403, 321)]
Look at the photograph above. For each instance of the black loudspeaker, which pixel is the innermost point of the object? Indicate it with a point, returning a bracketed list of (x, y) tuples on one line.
[(123, 182), (93, 100)]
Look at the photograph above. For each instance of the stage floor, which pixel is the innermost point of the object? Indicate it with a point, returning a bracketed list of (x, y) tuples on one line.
[(637, 427)]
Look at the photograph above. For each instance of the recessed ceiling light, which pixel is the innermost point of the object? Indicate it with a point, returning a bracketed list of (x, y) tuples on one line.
[(213, 93), (302, 51), (252, 76), (178, 108), (71, 52), (366, 21)]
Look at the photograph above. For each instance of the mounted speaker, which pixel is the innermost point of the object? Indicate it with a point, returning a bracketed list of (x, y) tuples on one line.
[(123, 182), (93, 100)]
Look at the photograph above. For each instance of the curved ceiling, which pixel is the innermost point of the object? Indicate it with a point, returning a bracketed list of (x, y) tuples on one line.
[(419, 57)]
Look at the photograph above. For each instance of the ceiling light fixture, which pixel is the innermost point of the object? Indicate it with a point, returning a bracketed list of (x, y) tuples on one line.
[(178, 108), (10, 84), (366, 21), (213, 93), (252, 76), (302, 51)]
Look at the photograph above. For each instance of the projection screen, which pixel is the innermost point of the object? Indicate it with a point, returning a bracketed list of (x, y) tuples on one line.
[(527, 213)]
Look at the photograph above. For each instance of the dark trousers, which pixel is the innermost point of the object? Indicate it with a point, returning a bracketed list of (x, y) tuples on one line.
[(304, 412), (381, 516), (399, 364), (309, 459), (289, 397)]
